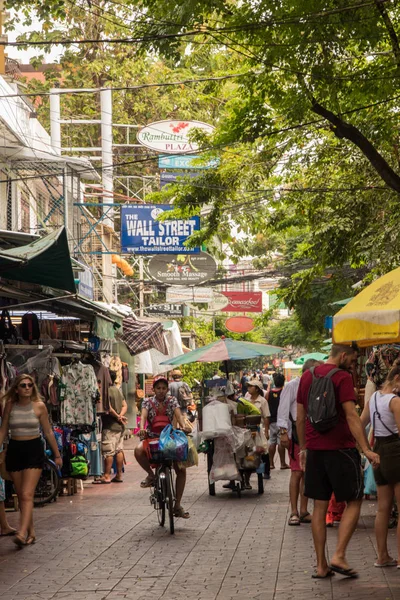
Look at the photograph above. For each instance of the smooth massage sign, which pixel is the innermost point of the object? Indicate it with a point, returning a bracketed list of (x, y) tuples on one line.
[(243, 302), (182, 269), (142, 233), (171, 137)]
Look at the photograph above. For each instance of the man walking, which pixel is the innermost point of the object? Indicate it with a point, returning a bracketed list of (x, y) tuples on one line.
[(112, 436), (328, 452), (180, 390), (274, 396), (286, 421)]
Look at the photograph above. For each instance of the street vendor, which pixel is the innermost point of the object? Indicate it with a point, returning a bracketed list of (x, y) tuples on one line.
[(159, 411)]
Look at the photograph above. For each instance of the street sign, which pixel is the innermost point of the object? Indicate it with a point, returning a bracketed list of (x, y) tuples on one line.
[(243, 302), (142, 233), (189, 294), (185, 162), (167, 310), (173, 177), (182, 269), (171, 137), (239, 324)]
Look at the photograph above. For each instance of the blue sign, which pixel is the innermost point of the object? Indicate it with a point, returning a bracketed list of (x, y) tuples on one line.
[(173, 177), (142, 233), (183, 161)]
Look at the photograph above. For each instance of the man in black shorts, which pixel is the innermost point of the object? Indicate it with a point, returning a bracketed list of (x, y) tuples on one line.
[(332, 462)]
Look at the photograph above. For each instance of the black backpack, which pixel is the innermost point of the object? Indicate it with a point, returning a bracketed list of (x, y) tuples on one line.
[(8, 331), (30, 330), (321, 407)]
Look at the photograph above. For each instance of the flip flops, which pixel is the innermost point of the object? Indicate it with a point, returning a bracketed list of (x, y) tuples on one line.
[(345, 572), (329, 573), (389, 563), (12, 532), (115, 480), (101, 482)]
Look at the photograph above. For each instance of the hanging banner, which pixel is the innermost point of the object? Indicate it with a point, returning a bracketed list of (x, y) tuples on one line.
[(171, 137), (187, 294), (166, 310), (182, 269), (243, 302), (141, 233), (185, 161), (175, 177)]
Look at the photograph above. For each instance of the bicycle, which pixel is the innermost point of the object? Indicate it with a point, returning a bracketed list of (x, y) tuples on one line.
[(48, 486), (162, 494)]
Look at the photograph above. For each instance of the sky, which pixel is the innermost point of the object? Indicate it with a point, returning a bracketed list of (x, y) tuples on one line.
[(24, 56)]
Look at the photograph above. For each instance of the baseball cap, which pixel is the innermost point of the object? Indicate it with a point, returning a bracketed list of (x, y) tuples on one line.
[(158, 378)]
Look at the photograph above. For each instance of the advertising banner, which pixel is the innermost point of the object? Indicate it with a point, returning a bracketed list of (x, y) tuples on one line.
[(187, 294), (171, 137), (175, 177), (182, 269), (167, 310), (141, 233), (243, 302)]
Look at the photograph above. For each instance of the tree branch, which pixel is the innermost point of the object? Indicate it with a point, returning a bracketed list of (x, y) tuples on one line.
[(342, 129), (390, 29)]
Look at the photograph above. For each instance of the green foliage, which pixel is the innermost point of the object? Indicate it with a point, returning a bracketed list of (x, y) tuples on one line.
[(289, 333)]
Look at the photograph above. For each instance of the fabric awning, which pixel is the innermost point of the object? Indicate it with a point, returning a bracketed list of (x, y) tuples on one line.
[(45, 261)]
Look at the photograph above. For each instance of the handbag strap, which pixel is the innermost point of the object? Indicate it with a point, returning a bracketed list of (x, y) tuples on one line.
[(377, 413)]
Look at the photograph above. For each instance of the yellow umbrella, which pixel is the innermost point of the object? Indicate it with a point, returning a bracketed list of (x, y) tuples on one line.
[(373, 316)]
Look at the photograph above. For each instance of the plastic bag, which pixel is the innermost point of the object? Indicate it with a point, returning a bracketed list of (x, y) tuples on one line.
[(216, 420), (192, 457), (261, 442), (173, 444), (224, 465)]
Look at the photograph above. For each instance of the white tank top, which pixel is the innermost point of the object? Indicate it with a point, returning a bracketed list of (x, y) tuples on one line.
[(379, 406)]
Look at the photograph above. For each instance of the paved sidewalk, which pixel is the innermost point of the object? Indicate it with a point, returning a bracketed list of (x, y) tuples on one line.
[(106, 544)]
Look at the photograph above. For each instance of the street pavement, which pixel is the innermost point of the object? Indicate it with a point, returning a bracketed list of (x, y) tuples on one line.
[(105, 543)]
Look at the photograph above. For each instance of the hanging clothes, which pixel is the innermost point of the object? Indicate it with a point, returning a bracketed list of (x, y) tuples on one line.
[(116, 365), (79, 392), (380, 361), (103, 375), (139, 336)]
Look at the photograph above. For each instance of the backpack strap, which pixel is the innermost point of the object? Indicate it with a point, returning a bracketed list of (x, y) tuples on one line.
[(329, 375)]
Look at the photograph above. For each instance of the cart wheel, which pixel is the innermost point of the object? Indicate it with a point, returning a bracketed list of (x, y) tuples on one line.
[(239, 490), (211, 486), (260, 483), (211, 489)]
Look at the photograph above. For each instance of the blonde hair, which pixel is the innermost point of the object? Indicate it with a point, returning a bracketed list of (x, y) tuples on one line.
[(11, 394)]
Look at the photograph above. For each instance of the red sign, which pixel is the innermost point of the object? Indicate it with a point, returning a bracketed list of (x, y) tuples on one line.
[(239, 324), (243, 302)]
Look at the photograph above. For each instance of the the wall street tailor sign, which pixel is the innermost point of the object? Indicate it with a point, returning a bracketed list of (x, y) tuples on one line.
[(182, 269)]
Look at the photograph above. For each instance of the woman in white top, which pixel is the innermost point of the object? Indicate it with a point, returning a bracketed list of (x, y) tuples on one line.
[(383, 412)]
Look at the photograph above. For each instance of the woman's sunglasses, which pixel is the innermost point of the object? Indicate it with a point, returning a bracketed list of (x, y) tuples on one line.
[(26, 385)]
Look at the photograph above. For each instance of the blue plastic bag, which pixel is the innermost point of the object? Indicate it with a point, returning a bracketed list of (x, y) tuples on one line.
[(173, 444)]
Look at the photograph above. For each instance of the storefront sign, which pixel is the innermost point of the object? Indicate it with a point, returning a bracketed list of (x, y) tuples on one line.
[(86, 285), (175, 177), (182, 269), (218, 302), (185, 162), (171, 137), (239, 324), (142, 233), (243, 302), (188, 294), (167, 310)]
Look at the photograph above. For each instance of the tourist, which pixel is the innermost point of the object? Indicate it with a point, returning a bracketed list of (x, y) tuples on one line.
[(273, 398)]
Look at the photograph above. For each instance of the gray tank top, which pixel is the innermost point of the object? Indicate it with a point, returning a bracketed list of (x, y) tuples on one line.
[(23, 422)]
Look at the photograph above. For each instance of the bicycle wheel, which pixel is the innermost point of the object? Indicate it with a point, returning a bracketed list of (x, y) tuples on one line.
[(48, 485), (160, 497), (170, 498)]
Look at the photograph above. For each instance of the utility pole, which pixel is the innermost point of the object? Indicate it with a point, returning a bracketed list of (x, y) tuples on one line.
[(108, 187), (3, 38)]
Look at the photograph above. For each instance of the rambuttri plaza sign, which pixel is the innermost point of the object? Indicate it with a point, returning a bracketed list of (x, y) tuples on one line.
[(172, 137)]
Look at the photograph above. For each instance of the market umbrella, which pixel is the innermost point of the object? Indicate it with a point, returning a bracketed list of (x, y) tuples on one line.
[(315, 355), (224, 350), (373, 316)]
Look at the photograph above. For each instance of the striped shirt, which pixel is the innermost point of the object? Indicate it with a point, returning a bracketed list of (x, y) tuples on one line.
[(23, 422)]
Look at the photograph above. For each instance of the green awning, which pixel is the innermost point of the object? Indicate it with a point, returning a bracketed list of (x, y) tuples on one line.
[(45, 261), (341, 302)]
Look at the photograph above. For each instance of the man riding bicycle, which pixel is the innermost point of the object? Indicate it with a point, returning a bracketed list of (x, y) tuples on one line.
[(159, 411)]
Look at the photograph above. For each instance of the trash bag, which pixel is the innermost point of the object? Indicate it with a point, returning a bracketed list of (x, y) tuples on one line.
[(173, 444), (224, 465), (192, 457), (261, 442)]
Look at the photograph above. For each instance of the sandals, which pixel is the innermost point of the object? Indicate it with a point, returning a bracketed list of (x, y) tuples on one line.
[(148, 482), (179, 511), (31, 539), (305, 518), (294, 519), (19, 541)]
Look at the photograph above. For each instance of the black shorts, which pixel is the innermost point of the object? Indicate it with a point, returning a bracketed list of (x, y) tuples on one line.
[(25, 454), (388, 448), (337, 471)]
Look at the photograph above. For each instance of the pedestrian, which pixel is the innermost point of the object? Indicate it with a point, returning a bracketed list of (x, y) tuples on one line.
[(265, 378), (286, 421), (273, 398), (24, 414), (255, 393), (331, 460), (216, 375), (180, 390), (243, 382), (383, 411), (112, 435), (157, 411)]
